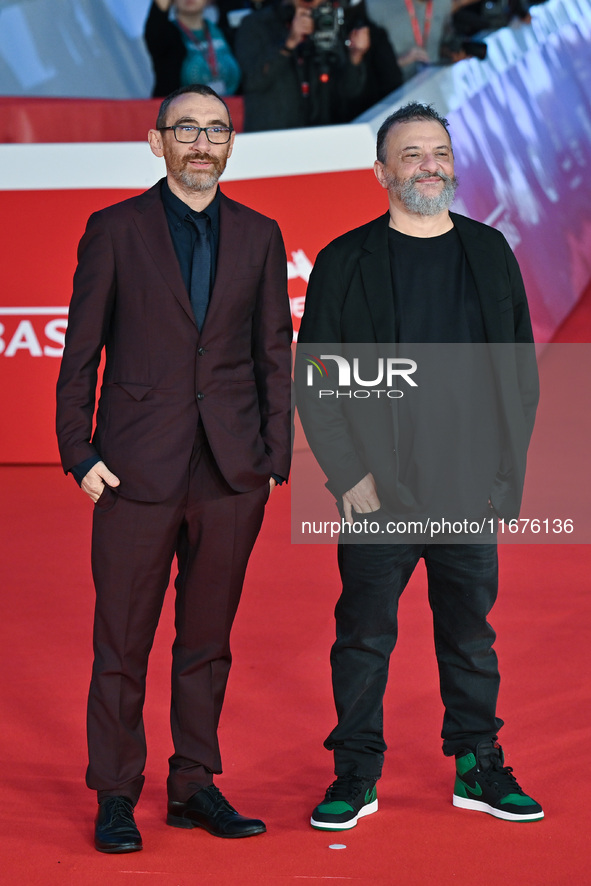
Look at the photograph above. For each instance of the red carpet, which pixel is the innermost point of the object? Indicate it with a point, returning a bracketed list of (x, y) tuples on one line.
[(278, 711)]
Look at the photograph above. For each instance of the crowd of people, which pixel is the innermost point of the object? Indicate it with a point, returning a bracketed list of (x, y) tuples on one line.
[(313, 62)]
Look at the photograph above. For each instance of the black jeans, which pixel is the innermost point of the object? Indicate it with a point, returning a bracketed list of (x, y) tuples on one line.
[(463, 582)]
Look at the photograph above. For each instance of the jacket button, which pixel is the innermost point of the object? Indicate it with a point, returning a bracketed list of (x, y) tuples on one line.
[(200, 396), (201, 351)]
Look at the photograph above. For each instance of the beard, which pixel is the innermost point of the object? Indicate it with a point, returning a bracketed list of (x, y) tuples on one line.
[(423, 204), (194, 179)]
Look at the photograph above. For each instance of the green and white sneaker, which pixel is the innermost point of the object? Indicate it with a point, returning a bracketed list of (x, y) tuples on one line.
[(348, 798), (485, 784)]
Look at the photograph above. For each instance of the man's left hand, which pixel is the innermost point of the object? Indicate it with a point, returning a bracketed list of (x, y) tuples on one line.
[(359, 43)]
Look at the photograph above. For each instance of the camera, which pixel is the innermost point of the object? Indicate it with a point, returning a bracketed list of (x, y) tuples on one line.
[(328, 23)]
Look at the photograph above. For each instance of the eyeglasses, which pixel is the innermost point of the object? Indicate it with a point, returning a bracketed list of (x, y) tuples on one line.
[(186, 134)]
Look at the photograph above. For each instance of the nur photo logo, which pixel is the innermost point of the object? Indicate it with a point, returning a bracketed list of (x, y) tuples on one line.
[(384, 372)]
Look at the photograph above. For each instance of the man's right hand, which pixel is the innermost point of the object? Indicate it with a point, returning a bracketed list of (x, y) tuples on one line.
[(362, 498), (97, 478), (302, 26)]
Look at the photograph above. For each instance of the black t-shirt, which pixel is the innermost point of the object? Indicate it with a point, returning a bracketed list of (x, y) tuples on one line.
[(448, 427), (435, 297)]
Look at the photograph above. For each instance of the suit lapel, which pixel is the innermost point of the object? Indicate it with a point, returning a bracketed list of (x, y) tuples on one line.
[(231, 236), (376, 276), (377, 280), (153, 227), (478, 255)]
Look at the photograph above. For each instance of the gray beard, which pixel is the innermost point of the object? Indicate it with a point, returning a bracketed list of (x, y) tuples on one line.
[(422, 204), (199, 181)]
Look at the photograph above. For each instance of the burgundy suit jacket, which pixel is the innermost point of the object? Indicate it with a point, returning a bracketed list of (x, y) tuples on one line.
[(160, 372)]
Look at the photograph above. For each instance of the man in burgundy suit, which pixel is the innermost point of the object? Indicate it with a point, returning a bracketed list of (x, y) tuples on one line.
[(185, 290)]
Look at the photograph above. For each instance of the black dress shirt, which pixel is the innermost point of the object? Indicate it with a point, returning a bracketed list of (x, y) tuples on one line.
[(183, 233)]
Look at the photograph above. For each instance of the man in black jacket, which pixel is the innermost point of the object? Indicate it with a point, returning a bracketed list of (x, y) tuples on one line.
[(419, 274)]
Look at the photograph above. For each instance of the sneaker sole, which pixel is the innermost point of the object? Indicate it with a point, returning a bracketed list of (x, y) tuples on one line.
[(479, 806), (345, 825)]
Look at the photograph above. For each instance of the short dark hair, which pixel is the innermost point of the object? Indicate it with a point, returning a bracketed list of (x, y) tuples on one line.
[(198, 89), (412, 111)]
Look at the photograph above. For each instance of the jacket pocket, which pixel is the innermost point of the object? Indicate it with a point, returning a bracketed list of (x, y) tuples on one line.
[(135, 390)]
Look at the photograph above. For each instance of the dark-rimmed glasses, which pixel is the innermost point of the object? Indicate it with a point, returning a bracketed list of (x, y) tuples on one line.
[(186, 133)]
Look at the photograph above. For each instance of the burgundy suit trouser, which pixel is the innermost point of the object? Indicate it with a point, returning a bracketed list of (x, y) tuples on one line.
[(212, 530)]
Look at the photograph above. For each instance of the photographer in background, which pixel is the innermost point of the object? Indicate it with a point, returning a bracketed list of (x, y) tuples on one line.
[(382, 72), (472, 20), (188, 48), (470, 17), (297, 68)]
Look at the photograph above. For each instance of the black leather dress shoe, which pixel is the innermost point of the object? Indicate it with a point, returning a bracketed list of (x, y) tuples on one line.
[(115, 828), (209, 809)]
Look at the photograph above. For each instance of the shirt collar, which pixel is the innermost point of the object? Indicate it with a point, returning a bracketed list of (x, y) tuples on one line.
[(178, 209)]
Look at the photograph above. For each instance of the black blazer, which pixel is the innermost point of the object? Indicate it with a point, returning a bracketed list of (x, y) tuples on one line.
[(350, 300)]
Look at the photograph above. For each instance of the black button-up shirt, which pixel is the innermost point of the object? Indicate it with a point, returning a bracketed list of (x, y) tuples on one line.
[(183, 233)]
